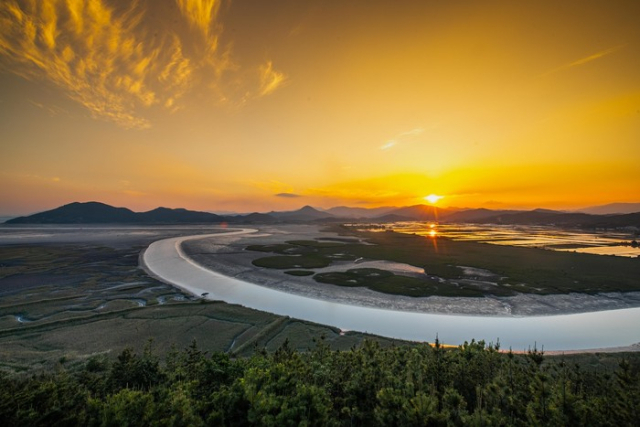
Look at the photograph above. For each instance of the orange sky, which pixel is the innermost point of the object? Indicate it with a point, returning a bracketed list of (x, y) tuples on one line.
[(255, 105)]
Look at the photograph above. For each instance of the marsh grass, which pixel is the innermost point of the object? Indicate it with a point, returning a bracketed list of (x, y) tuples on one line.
[(516, 269)]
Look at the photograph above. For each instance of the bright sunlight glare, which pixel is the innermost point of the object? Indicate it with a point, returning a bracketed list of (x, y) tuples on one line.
[(433, 198)]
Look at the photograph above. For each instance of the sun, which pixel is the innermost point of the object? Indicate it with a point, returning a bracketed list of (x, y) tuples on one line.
[(433, 198)]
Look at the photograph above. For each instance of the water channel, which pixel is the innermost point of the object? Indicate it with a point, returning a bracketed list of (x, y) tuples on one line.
[(166, 260)]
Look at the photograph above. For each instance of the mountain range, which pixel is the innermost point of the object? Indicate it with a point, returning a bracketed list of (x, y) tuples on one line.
[(100, 213), (612, 208)]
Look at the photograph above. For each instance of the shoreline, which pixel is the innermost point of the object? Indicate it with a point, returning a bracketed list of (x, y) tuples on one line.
[(168, 261)]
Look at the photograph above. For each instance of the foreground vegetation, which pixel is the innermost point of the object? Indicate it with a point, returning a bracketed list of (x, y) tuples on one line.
[(367, 385), (506, 270)]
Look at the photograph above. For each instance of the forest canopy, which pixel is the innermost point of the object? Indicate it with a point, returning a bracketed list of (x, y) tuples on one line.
[(474, 384)]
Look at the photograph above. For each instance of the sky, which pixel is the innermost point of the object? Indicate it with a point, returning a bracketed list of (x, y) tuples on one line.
[(260, 105)]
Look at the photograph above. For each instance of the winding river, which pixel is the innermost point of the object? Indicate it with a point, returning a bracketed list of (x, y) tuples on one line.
[(614, 328)]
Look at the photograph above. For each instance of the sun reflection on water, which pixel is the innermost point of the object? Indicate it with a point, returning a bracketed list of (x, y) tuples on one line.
[(545, 237)]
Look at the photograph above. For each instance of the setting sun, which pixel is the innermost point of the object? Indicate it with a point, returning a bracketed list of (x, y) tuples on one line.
[(433, 198)]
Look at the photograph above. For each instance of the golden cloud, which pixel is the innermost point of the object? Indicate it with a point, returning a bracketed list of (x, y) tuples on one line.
[(107, 59), (270, 79), (585, 60), (201, 14), (83, 48)]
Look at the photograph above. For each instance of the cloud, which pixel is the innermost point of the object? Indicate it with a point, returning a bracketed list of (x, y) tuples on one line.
[(585, 60), (120, 62), (87, 50), (389, 144), (201, 14), (270, 79), (412, 132), (401, 137), (288, 195)]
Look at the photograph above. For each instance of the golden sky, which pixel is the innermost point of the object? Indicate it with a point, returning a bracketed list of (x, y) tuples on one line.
[(259, 105)]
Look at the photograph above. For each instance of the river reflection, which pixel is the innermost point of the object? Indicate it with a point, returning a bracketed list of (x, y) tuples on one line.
[(546, 237)]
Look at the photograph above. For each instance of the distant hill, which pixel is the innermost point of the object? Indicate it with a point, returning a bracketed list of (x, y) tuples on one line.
[(177, 216), (347, 212), (307, 213), (79, 213), (100, 213), (612, 208)]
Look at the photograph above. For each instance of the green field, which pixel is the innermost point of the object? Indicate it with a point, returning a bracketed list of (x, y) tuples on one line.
[(513, 269)]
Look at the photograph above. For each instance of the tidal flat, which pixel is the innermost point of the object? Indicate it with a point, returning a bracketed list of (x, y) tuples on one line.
[(70, 293), (437, 275)]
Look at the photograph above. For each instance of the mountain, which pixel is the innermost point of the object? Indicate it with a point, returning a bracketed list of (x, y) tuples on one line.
[(176, 216), (100, 213), (612, 208), (347, 212), (548, 211), (79, 213), (307, 213), (256, 218)]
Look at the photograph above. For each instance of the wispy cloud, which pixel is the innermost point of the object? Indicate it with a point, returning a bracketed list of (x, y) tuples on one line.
[(585, 60), (389, 144), (201, 14), (115, 62), (288, 195), (270, 79), (400, 138), (85, 48)]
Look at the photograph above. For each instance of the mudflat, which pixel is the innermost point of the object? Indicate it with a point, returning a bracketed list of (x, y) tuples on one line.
[(230, 257)]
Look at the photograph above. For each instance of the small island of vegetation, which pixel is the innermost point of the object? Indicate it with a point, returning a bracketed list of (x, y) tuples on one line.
[(510, 270)]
